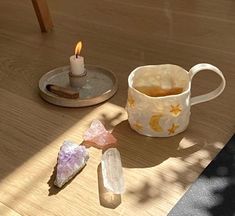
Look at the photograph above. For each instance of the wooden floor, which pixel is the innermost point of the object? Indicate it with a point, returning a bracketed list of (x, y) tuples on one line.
[(119, 35)]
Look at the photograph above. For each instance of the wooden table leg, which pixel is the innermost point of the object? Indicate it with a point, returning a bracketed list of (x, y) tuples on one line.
[(43, 15)]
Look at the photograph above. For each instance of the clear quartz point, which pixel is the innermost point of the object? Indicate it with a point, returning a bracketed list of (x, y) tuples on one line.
[(112, 171)]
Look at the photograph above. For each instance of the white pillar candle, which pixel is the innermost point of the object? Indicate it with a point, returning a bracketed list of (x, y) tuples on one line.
[(77, 65), (77, 61)]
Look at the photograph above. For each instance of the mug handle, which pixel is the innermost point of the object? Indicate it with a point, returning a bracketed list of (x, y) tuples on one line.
[(213, 94)]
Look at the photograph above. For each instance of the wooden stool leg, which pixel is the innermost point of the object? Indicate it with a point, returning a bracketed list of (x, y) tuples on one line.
[(43, 15)]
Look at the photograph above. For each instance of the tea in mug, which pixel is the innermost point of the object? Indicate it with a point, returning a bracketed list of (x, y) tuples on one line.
[(156, 91)]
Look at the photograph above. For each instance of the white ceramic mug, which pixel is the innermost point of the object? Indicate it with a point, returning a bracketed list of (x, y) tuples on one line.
[(165, 116)]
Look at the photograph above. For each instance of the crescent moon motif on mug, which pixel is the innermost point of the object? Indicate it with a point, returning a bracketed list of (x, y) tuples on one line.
[(154, 123)]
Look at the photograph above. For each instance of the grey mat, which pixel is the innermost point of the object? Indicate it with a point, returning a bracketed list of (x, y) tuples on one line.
[(213, 193)]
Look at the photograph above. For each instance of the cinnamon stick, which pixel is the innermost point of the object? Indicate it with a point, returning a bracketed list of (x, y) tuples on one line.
[(62, 91)]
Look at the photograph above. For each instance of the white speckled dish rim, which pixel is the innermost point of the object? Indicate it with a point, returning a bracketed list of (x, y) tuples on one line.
[(101, 85)]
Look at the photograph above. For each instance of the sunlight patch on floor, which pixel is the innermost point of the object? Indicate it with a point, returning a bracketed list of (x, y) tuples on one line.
[(26, 182)]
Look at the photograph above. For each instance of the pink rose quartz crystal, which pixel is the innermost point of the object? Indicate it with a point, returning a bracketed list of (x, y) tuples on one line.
[(71, 159), (98, 135)]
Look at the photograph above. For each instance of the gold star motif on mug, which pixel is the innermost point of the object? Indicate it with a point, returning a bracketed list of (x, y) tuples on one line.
[(131, 101), (175, 110), (138, 126), (173, 128)]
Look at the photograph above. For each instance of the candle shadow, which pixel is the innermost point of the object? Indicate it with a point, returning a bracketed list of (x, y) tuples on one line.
[(107, 198)]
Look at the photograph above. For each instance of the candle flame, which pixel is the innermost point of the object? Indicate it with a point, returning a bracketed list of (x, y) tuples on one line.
[(78, 48)]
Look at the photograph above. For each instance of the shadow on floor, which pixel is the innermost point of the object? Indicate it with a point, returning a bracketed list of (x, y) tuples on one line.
[(145, 151), (213, 192)]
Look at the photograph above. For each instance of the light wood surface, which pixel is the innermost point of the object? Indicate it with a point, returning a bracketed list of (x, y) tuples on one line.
[(5, 210), (43, 15), (118, 35)]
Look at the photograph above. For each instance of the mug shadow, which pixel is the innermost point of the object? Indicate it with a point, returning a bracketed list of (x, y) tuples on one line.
[(143, 151), (107, 198)]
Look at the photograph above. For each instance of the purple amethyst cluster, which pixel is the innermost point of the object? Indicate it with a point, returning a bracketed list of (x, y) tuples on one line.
[(71, 159)]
